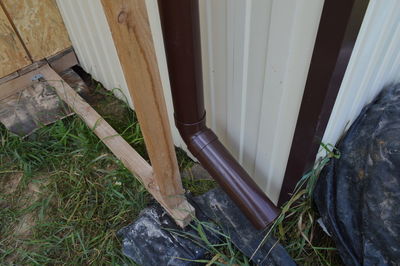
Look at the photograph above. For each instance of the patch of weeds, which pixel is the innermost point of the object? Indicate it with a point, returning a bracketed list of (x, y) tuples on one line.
[(184, 161), (83, 194), (198, 187), (297, 228)]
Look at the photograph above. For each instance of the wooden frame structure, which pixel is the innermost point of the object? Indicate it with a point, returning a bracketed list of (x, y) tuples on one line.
[(174, 202), (130, 27)]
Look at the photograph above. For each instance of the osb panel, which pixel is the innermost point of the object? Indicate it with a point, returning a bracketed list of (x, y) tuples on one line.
[(40, 26), (12, 53)]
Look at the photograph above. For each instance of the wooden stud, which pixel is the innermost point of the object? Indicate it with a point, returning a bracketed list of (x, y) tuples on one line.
[(129, 24), (182, 212)]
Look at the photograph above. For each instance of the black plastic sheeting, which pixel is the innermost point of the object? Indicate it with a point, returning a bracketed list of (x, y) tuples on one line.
[(154, 239), (220, 208), (358, 195)]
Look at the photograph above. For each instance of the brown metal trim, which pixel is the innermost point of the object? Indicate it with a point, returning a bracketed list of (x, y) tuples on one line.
[(337, 33)]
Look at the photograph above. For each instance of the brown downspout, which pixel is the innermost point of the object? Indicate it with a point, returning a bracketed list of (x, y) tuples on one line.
[(181, 30)]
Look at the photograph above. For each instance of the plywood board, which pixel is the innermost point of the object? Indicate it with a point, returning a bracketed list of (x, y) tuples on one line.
[(40, 26), (12, 53)]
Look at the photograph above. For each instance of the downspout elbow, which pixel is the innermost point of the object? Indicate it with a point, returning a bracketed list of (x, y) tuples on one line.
[(222, 166)]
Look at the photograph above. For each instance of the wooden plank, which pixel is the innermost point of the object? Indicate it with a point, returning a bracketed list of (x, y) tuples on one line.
[(33, 107), (59, 62), (15, 85), (9, 77), (12, 53), (62, 61), (32, 67), (182, 212), (40, 26), (128, 21)]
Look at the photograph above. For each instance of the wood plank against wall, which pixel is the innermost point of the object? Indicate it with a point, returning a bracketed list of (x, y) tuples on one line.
[(12, 53), (128, 21), (40, 26)]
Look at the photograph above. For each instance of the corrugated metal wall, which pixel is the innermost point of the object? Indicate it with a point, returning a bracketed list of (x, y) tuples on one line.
[(91, 37), (256, 55), (256, 58), (374, 63), (92, 40)]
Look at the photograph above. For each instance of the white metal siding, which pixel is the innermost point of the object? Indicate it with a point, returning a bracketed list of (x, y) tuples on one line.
[(374, 63), (91, 38), (256, 55)]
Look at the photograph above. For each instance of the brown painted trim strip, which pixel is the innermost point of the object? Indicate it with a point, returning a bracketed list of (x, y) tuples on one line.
[(337, 33)]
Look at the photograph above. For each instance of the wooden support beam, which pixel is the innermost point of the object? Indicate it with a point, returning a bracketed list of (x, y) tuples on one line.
[(129, 24), (181, 212)]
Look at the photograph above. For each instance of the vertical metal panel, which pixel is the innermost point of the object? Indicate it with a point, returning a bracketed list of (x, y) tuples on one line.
[(256, 55), (375, 63), (91, 38)]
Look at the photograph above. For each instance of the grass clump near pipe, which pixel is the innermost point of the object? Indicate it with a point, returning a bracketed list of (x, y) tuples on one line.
[(297, 228)]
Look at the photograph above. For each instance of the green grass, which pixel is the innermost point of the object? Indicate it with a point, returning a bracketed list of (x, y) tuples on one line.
[(85, 196), (74, 195), (296, 227), (81, 193)]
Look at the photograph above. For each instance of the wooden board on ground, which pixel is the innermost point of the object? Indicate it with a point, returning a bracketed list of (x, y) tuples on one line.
[(31, 108), (63, 60), (12, 53), (40, 26), (60, 62)]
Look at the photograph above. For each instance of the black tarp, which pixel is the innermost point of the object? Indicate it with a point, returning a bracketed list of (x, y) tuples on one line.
[(154, 239), (358, 195)]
